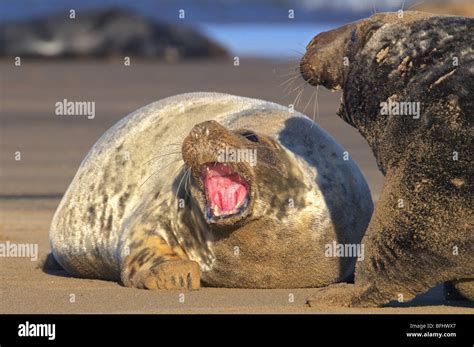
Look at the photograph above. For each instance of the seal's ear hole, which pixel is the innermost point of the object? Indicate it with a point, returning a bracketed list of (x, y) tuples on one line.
[(249, 135)]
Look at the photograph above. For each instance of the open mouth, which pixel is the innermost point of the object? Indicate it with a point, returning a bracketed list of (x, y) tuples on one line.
[(227, 193)]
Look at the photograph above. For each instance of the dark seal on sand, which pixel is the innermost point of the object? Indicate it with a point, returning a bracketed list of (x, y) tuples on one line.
[(104, 33), (408, 87)]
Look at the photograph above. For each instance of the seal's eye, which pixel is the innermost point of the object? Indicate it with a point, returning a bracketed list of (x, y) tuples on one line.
[(250, 136)]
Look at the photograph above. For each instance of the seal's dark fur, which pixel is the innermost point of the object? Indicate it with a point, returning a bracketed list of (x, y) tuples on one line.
[(421, 233)]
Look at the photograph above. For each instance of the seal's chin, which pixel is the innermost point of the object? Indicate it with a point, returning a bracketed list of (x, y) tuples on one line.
[(226, 191)]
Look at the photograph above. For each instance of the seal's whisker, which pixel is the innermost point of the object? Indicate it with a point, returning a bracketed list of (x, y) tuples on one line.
[(294, 61), (168, 153), (298, 52), (289, 80), (303, 47), (292, 67), (176, 160), (163, 155), (298, 87), (188, 179), (287, 88), (160, 169), (289, 65), (316, 106), (290, 85), (181, 181), (309, 101), (292, 73), (293, 103), (288, 91), (289, 73), (181, 167), (292, 90), (298, 97)]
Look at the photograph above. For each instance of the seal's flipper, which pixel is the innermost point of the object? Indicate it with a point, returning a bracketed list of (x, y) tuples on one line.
[(346, 295), (398, 265), (153, 264)]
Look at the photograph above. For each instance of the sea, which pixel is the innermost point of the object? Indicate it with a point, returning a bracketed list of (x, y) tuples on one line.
[(235, 27)]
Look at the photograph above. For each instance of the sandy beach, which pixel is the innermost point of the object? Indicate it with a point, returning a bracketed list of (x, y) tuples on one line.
[(52, 148)]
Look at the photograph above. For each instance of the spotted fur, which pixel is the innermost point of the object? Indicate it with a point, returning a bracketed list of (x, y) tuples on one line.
[(121, 219)]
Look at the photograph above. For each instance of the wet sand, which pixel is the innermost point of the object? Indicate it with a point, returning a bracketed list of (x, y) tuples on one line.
[(52, 148)]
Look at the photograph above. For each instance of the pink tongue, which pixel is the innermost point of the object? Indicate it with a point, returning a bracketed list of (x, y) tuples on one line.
[(225, 192)]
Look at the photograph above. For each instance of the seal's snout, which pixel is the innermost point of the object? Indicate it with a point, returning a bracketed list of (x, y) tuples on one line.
[(207, 141), (203, 143), (307, 70), (204, 129), (326, 57), (313, 64)]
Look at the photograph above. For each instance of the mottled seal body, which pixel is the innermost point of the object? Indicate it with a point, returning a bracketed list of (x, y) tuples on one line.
[(421, 233), (136, 212)]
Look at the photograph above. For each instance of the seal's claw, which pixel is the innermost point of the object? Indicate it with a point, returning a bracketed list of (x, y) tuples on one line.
[(342, 294), (171, 274), (176, 274)]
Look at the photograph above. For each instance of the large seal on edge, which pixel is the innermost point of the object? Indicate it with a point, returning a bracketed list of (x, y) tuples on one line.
[(136, 212), (421, 233)]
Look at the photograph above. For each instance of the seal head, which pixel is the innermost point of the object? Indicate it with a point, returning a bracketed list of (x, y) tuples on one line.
[(329, 54), (237, 175)]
